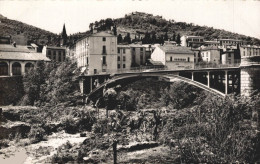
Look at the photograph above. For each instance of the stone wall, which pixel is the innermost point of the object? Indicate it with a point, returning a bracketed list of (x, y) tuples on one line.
[(11, 90), (250, 79)]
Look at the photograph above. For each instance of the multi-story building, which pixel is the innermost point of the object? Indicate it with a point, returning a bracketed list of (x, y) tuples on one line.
[(197, 55), (211, 54), (97, 53), (124, 58), (192, 41), (230, 42), (174, 57), (138, 54), (57, 54), (212, 43), (18, 59), (248, 50)]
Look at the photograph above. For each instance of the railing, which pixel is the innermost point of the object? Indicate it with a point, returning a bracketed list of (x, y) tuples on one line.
[(215, 65), (137, 69)]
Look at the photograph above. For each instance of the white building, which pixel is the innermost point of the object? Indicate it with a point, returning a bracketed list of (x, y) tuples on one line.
[(210, 54), (174, 57), (97, 53), (191, 41)]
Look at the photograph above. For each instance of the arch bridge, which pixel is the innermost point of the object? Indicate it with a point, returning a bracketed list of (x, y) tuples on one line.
[(221, 80)]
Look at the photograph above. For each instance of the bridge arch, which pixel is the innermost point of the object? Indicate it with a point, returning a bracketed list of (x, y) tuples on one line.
[(167, 77)]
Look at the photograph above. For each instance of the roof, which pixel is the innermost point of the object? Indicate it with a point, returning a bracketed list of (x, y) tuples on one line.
[(211, 41), (102, 34), (156, 62), (53, 47), (123, 46), (192, 36), (176, 49), (136, 45), (18, 48), (231, 40), (23, 56), (209, 48)]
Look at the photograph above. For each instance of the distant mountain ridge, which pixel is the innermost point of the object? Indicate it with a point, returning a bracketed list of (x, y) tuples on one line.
[(138, 24), (25, 32)]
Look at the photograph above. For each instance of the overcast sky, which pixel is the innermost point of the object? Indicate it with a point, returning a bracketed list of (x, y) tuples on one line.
[(236, 16)]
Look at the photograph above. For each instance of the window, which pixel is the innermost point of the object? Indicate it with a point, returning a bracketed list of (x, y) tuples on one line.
[(49, 53), (95, 71), (118, 58), (104, 39), (188, 59), (104, 50), (141, 49), (229, 55), (123, 65), (118, 50), (104, 60), (123, 58), (123, 50), (133, 49), (171, 58), (118, 66), (87, 60)]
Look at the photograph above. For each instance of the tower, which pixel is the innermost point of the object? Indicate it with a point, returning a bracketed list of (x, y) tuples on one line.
[(64, 36)]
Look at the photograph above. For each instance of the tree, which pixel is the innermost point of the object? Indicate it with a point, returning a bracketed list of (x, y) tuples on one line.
[(154, 39), (119, 38), (127, 38), (178, 40), (115, 30), (174, 37), (91, 26), (166, 36)]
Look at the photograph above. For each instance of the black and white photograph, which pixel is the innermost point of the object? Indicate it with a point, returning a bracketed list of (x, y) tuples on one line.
[(129, 81)]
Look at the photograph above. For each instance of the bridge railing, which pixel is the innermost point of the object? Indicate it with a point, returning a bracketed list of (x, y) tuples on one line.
[(215, 65), (137, 69)]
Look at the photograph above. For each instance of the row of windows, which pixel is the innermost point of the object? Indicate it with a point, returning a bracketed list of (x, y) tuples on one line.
[(118, 50), (54, 52), (54, 57), (119, 66), (118, 58), (179, 59)]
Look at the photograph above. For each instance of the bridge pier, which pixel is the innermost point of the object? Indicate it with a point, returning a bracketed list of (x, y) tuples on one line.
[(208, 76), (250, 75), (226, 82)]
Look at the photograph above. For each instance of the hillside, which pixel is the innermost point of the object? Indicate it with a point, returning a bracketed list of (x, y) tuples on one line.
[(140, 24), (25, 33)]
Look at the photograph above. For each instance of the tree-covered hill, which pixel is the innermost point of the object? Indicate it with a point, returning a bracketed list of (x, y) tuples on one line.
[(142, 25), (29, 33)]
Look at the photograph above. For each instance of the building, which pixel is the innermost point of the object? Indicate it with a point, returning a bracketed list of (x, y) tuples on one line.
[(192, 41), (174, 57), (230, 55), (124, 58), (247, 50), (18, 59), (5, 39), (212, 43), (97, 53), (197, 55), (211, 54), (64, 37), (230, 42), (138, 54), (57, 54)]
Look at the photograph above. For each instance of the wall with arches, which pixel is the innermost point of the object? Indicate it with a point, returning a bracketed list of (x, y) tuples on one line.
[(15, 68)]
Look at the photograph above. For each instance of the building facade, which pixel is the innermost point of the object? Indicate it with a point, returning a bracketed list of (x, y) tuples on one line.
[(192, 41), (124, 58), (138, 55), (249, 51), (57, 54), (230, 42), (97, 53), (174, 57), (211, 54), (17, 59)]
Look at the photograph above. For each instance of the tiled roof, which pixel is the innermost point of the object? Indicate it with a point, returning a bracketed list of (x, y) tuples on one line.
[(176, 49), (210, 48), (23, 56), (103, 34), (53, 47), (18, 48)]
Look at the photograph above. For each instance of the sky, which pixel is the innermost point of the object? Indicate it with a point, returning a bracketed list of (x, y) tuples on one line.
[(239, 16)]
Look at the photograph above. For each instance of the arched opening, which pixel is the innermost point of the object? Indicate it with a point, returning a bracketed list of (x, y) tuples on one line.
[(16, 68), (3, 69), (28, 66)]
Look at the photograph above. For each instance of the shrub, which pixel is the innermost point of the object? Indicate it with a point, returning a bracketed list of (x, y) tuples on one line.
[(36, 134)]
